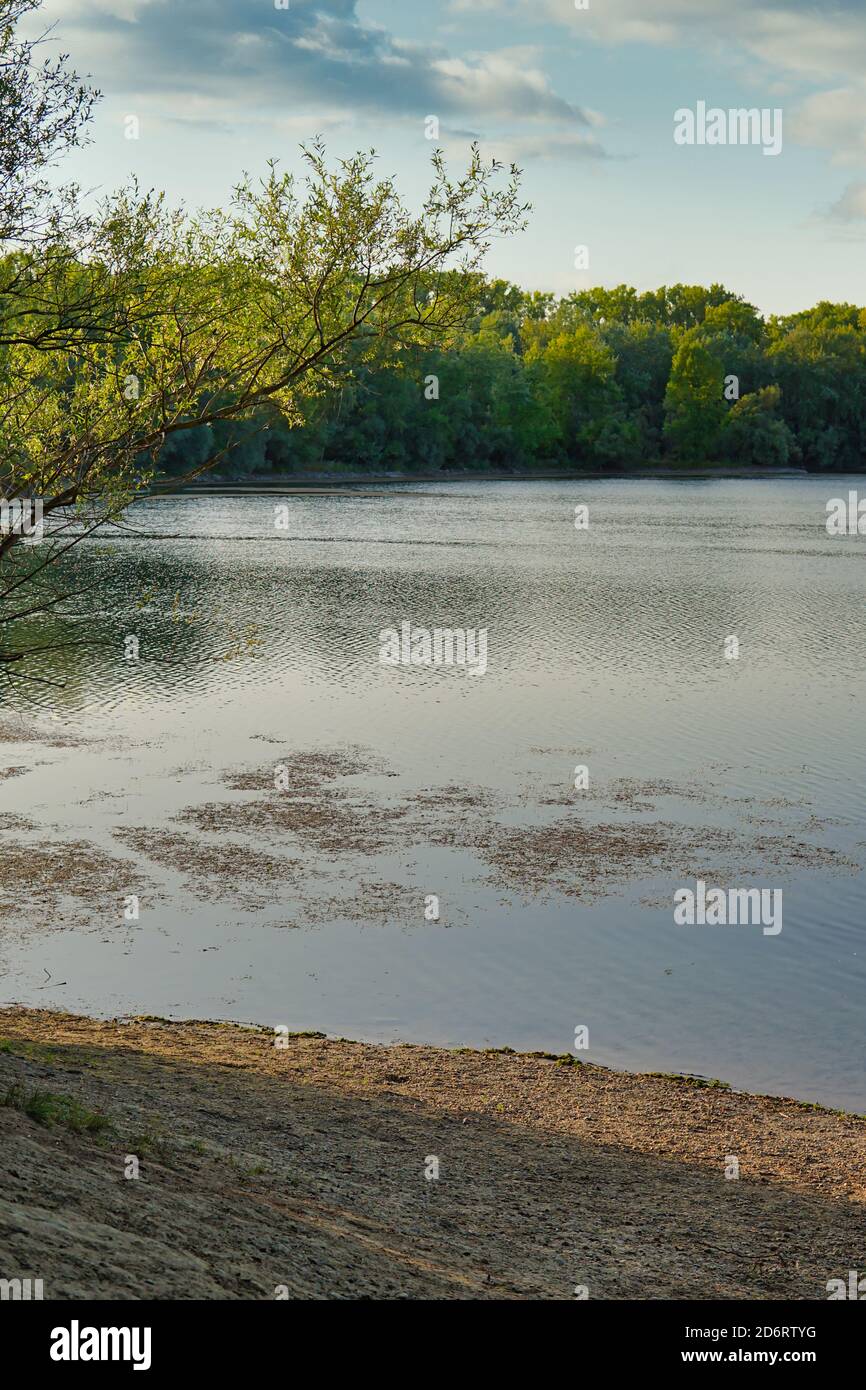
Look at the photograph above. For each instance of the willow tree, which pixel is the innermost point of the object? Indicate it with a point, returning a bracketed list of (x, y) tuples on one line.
[(124, 325)]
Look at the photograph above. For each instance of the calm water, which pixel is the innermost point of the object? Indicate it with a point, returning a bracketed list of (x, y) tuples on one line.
[(605, 649)]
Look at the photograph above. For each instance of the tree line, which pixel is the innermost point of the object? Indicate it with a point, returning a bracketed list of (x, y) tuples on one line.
[(599, 379)]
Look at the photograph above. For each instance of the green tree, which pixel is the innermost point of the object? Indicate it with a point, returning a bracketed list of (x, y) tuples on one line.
[(581, 392), (754, 435), (694, 401), (122, 330)]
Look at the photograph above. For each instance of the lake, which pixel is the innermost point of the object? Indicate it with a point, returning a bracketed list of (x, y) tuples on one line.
[(319, 840)]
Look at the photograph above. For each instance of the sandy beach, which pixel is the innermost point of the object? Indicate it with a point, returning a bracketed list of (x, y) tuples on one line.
[(301, 1166)]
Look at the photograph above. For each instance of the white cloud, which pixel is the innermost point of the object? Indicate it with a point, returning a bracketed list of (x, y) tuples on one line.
[(834, 120), (796, 41), (503, 83), (245, 54)]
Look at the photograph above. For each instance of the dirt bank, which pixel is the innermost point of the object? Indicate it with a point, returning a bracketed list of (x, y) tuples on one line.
[(300, 1168)]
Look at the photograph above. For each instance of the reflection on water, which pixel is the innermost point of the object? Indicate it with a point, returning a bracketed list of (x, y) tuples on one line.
[(606, 648)]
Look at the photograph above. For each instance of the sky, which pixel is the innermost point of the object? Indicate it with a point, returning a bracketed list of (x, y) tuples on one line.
[(584, 100)]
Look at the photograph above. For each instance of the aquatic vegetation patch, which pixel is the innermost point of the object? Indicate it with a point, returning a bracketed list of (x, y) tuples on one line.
[(50, 882), (216, 871)]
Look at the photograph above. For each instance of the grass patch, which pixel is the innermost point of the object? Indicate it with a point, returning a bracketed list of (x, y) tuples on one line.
[(825, 1109), (47, 1108), (33, 1051), (153, 1142), (706, 1082), (562, 1059)]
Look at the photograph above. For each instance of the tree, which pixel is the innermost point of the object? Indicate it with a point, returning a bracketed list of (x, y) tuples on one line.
[(753, 434), (819, 362), (694, 400), (643, 352), (123, 329), (44, 110), (580, 390)]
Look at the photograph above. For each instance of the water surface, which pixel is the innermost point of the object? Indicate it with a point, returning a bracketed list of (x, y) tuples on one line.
[(606, 648)]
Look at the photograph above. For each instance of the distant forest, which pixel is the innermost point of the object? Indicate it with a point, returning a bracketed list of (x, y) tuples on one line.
[(601, 379)]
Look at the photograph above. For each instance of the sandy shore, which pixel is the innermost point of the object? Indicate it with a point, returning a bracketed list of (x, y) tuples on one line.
[(299, 1170)]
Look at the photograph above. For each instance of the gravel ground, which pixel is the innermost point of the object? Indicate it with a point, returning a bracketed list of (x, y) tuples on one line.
[(302, 1170)]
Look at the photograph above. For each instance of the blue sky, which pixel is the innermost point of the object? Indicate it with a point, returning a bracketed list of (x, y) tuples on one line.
[(582, 100)]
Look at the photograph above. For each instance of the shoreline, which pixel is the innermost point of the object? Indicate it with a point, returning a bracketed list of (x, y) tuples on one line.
[(303, 1165), (237, 843), (328, 484)]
